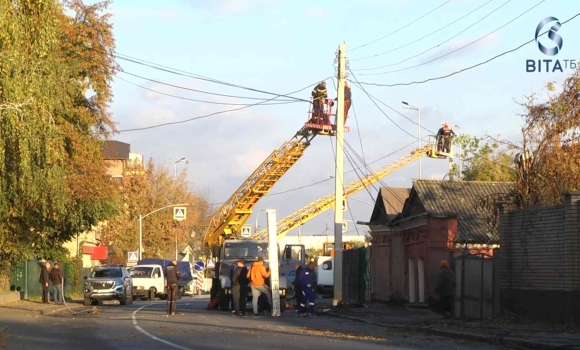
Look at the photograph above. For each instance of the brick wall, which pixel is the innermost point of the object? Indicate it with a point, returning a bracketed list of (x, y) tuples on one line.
[(540, 264)]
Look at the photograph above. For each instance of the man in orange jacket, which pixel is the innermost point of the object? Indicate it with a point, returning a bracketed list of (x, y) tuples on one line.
[(257, 275)]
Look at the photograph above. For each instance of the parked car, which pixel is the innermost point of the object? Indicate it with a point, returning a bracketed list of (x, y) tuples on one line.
[(112, 282)]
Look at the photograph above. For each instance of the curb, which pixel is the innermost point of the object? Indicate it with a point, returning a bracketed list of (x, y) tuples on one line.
[(458, 335), (4, 329)]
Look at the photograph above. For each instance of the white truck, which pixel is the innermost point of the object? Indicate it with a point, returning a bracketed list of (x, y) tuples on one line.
[(149, 279)]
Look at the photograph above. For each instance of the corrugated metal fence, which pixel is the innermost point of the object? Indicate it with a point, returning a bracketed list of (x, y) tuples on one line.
[(26, 275), (356, 275)]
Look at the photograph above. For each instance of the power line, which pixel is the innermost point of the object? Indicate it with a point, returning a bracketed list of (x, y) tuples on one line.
[(202, 101), (358, 130), (186, 74), (205, 92), (462, 47), (464, 69), (212, 114), (408, 25), (373, 101), (426, 36)]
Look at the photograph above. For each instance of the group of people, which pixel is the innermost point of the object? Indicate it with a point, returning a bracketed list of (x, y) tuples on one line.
[(256, 277), (54, 276), (305, 286), (320, 98)]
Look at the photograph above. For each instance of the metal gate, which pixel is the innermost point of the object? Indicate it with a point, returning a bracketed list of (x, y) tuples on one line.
[(474, 294), (355, 275)]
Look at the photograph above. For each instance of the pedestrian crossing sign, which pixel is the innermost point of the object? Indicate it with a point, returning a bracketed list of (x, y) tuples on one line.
[(179, 213), (246, 231), (133, 257)]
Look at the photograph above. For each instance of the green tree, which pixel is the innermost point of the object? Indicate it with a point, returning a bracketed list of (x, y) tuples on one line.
[(54, 92), (485, 160), (143, 191)]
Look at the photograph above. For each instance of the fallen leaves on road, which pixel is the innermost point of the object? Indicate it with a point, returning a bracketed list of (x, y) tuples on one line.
[(3, 337)]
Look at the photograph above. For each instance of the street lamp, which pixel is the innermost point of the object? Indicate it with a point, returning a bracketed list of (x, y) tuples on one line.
[(358, 200), (420, 144), (175, 165), (257, 217), (460, 154)]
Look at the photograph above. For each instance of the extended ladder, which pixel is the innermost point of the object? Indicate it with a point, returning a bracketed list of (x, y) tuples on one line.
[(320, 205)]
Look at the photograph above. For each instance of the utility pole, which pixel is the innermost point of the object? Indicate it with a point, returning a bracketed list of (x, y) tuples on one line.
[(338, 177)]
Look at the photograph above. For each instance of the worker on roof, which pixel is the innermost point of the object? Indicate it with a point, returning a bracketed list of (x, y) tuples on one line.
[(347, 99), (444, 136), (319, 95)]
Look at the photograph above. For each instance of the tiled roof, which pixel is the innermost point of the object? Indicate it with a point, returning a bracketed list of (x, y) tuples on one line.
[(116, 150), (389, 204), (459, 199)]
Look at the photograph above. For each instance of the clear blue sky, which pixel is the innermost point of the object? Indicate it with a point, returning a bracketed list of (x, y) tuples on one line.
[(281, 46)]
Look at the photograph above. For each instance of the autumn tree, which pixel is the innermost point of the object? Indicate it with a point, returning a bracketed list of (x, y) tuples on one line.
[(144, 191), (485, 159), (55, 71), (550, 162)]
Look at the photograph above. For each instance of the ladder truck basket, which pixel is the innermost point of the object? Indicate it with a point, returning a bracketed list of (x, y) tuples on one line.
[(437, 147), (322, 121)]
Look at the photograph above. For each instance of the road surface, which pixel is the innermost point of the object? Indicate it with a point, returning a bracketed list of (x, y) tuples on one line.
[(143, 326)]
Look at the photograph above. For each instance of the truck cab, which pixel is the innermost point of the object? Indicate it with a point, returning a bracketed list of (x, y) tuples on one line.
[(149, 282), (250, 250)]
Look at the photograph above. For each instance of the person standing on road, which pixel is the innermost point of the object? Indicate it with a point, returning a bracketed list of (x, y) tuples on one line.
[(446, 288), (57, 279), (44, 279), (173, 276), (308, 283), (240, 283), (257, 275), (297, 286)]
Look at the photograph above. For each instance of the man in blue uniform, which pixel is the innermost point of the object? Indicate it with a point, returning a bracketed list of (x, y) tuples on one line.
[(308, 285)]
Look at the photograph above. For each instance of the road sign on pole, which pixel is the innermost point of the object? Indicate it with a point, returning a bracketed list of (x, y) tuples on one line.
[(199, 266), (179, 213), (133, 257), (344, 226), (246, 231)]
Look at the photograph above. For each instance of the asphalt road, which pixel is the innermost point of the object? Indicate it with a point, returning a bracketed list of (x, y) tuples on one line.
[(143, 326)]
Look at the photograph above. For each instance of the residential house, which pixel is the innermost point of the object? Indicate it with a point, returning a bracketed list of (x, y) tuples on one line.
[(412, 233), (119, 158)]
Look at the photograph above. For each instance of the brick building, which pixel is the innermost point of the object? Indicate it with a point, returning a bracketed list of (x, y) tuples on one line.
[(414, 229)]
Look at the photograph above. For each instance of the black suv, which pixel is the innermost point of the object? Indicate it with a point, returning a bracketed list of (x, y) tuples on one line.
[(111, 282)]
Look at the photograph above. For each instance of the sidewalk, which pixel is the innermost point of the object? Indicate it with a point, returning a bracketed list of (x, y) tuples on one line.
[(504, 331), (40, 308)]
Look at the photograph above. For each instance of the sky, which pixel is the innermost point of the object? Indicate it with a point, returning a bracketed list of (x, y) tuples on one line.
[(283, 46)]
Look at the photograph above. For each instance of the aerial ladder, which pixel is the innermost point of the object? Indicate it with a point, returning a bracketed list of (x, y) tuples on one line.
[(225, 227), (301, 216), (228, 220)]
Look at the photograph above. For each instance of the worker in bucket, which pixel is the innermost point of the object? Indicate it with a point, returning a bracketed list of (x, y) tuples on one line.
[(319, 95), (308, 282), (444, 136), (173, 276)]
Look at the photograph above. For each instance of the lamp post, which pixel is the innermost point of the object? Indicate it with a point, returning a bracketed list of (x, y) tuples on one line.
[(358, 200), (141, 217), (175, 165), (460, 154), (420, 143)]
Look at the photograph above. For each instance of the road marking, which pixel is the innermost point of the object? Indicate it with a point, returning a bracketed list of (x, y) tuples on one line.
[(151, 335)]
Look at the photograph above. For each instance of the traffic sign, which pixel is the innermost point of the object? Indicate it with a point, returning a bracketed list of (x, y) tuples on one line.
[(179, 213), (344, 226), (199, 266), (133, 257), (246, 231)]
